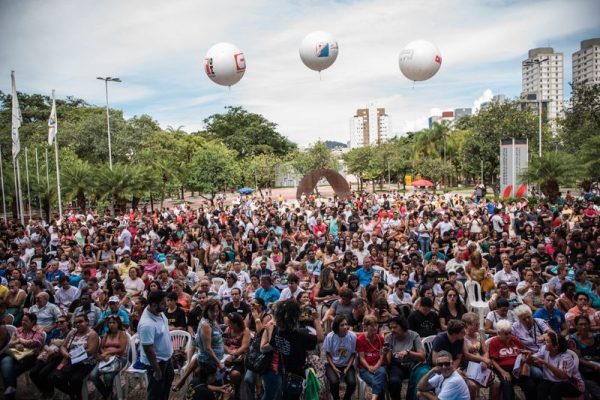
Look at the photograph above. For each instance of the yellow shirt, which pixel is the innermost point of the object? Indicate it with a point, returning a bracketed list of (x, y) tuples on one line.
[(124, 269), (3, 292)]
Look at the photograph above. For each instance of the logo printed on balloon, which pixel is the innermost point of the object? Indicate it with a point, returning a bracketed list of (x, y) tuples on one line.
[(419, 60), (318, 50), (225, 64), (322, 49), (240, 62), (208, 67)]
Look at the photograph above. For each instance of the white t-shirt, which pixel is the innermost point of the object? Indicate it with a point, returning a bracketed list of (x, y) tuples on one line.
[(133, 286), (452, 388)]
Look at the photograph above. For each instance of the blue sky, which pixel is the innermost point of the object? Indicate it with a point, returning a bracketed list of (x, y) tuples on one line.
[(157, 48)]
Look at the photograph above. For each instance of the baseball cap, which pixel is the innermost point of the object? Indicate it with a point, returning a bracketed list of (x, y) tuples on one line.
[(114, 299)]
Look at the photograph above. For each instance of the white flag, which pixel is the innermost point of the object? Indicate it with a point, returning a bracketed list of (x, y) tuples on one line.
[(16, 118), (52, 122)]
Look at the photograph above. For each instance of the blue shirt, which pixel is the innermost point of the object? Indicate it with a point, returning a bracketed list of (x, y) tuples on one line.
[(269, 296), (154, 330), (364, 277), (556, 319)]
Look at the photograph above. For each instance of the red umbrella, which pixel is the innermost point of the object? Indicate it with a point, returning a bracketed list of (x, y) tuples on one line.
[(422, 182)]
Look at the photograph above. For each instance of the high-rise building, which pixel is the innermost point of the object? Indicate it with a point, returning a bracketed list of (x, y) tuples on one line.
[(543, 75), (461, 112), (586, 62), (370, 126)]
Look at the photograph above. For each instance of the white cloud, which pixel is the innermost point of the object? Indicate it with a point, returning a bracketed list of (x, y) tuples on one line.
[(158, 48), (485, 97)]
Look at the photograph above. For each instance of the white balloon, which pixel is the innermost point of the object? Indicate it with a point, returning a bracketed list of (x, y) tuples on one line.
[(318, 50), (420, 60), (225, 64)]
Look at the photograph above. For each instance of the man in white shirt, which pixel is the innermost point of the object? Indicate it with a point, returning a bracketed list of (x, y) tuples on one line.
[(66, 294), (445, 225), (293, 290), (125, 236), (46, 312), (445, 384)]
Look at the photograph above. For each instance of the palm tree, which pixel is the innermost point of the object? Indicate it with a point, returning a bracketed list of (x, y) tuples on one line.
[(77, 182), (550, 171)]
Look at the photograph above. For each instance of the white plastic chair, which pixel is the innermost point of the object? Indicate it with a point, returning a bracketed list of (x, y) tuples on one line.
[(474, 302), (181, 340), (139, 374), (428, 344), (118, 386), (10, 329), (217, 283)]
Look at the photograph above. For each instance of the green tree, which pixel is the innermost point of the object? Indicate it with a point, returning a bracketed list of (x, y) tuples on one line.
[(77, 181), (316, 157), (247, 133), (433, 169), (259, 171), (499, 121), (357, 163), (551, 171), (214, 169), (401, 160), (581, 122)]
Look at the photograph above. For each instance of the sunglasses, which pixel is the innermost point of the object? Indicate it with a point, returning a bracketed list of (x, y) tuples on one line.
[(443, 364)]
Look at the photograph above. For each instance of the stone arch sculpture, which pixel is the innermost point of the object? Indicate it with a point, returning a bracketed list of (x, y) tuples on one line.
[(336, 180)]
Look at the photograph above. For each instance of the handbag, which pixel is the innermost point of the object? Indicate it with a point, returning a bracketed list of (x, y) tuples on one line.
[(487, 284), (110, 365), (20, 354), (257, 361)]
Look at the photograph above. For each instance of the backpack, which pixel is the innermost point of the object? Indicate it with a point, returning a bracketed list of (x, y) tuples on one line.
[(257, 361)]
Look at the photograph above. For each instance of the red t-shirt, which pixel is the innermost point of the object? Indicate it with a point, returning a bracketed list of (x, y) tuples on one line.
[(372, 351), (505, 354)]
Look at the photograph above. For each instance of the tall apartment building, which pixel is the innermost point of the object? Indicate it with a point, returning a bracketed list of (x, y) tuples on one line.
[(586, 62), (369, 126), (543, 75)]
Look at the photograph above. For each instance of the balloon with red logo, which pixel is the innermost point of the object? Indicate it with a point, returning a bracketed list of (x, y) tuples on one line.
[(420, 60), (225, 64)]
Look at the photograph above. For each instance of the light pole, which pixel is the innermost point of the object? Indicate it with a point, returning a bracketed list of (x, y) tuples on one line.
[(539, 98), (106, 80)]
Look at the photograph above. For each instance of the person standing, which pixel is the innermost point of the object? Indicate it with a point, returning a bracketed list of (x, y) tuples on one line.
[(157, 348)]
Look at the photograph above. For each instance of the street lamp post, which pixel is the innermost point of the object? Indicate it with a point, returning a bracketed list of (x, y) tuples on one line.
[(106, 80), (539, 99)]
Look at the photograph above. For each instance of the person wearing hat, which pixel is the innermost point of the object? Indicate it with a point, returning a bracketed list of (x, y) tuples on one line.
[(113, 309)]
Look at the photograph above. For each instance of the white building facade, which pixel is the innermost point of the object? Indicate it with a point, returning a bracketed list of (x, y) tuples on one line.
[(543, 76), (586, 62), (369, 126)]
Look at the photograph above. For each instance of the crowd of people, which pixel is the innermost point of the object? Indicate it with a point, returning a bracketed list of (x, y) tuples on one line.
[(291, 298)]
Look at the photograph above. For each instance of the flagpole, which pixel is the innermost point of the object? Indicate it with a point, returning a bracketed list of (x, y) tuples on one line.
[(37, 172), (16, 189), (58, 179), (16, 142), (52, 137), (20, 192), (28, 187), (48, 186), (2, 178)]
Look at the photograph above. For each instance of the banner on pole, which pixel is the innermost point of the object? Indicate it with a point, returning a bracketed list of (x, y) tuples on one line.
[(52, 122), (16, 118), (514, 160)]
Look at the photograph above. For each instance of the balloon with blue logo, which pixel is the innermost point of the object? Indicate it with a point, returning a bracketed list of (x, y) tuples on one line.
[(318, 50), (420, 60), (225, 64)]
